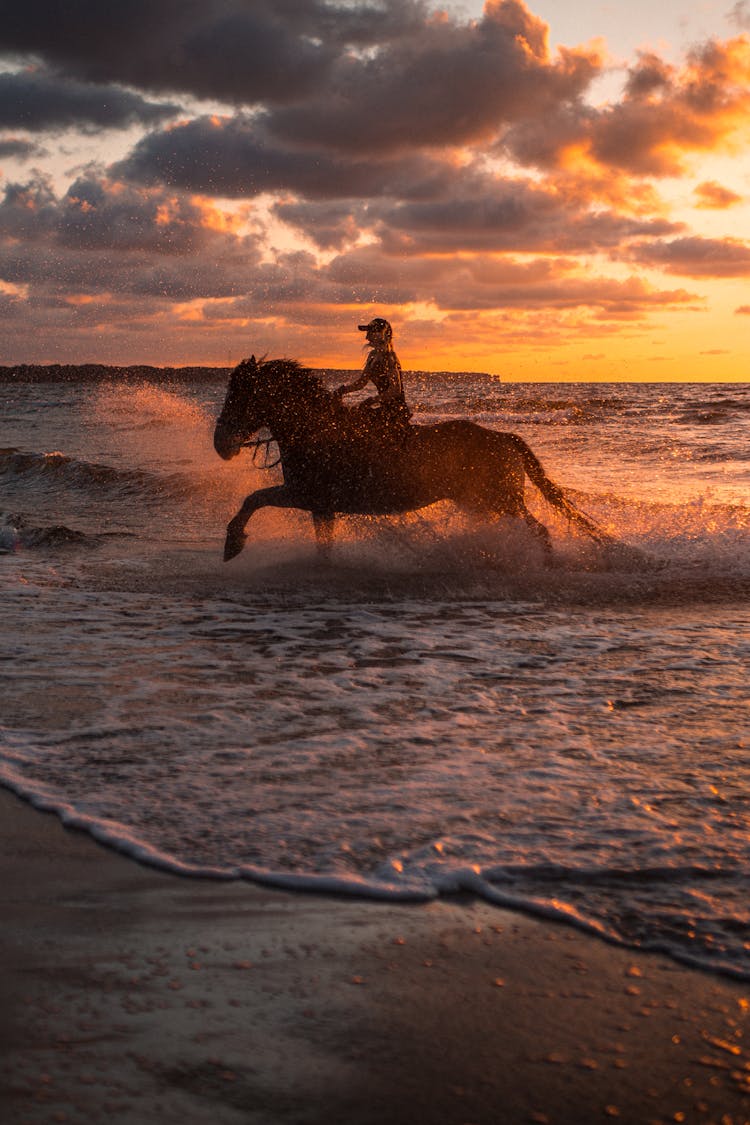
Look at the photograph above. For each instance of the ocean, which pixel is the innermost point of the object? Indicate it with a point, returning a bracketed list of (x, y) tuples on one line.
[(436, 711)]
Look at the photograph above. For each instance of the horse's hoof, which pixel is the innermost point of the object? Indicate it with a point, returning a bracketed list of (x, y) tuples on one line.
[(233, 544)]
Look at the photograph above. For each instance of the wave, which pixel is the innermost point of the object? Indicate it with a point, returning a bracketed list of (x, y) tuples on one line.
[(665, 935), (57, 469), (17, 533), (532, 411), (706, 417), (517, 404)]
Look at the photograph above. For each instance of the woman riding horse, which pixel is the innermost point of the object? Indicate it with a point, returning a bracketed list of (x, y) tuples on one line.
[(331, 469), (382, 368)]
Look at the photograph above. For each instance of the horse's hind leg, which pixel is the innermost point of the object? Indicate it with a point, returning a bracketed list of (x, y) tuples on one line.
[(324, 524), (275, 497), (540, 531)]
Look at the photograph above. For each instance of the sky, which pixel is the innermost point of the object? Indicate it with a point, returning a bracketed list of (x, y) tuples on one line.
[(557, 190)]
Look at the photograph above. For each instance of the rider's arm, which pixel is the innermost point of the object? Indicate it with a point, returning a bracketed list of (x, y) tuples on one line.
[(357, 385)]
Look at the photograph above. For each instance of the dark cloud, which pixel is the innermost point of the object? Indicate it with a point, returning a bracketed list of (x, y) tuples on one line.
[(470, 211), (95, 215), (495, 214), (472, 215), (37, 101), (696, 257), (448, 84), (235, 157), (329, 225), (19, 149), (376, 77), (273, 50)]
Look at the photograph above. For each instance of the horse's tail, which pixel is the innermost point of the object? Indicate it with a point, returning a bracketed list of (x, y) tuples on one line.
[(555, 495)]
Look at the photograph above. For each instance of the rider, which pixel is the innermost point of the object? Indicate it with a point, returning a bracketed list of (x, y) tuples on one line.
[(383, 369)]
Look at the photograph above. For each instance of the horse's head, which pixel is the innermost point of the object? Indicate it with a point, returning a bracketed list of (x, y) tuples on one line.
[(280, 394), (240, 417)]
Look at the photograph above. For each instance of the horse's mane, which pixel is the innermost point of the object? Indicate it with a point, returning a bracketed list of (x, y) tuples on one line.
[(304, 384), (303, 379), (300, 379)]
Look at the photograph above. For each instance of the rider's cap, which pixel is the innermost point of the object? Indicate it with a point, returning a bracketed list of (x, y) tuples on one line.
[(379, 324)]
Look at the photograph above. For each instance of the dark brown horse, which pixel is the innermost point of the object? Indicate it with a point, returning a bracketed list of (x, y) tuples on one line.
[(339, 460)]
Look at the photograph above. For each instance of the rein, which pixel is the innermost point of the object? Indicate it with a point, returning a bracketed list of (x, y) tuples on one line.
[(255, 446)]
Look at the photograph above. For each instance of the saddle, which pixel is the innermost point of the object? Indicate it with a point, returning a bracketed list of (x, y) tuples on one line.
[(381, 425)]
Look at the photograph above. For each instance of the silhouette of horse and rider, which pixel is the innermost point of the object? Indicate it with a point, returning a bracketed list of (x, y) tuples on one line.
[(369, 459)]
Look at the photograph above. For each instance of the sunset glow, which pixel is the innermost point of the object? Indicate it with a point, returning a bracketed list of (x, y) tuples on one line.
[(530, 190)]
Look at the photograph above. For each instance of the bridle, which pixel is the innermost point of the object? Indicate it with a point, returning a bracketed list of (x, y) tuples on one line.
[(256, 445)]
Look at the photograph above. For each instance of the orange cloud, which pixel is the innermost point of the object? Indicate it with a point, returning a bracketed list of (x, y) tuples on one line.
[(216, 218), (666, 114), (713, 196), (85, 298)]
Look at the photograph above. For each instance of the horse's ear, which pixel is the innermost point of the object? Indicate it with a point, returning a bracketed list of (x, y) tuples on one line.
[(248, 368)]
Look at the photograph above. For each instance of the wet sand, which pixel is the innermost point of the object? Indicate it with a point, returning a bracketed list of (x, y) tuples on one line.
[(132, 996)]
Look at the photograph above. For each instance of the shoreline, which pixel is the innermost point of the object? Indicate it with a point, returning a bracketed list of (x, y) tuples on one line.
[(153, 998)]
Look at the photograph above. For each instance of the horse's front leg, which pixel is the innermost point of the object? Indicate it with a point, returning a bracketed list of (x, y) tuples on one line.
[(279, 496)]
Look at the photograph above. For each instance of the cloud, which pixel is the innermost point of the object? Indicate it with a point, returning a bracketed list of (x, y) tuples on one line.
[(497, 214), (743, 310), (414, 203), (241, 53), (235, 157), (377, 152), (665, 114), (494, 282), (377, 77), (19, 149), (740, 14), (102, 236), (330, 224), (712, 196), (446, 84), (108, 249), (696, 257), (38, 100)]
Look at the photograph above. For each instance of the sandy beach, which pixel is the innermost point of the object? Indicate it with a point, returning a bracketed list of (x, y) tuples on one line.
[(133, 996)]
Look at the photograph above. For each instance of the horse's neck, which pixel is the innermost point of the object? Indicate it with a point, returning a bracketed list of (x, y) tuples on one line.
[(305, 422)]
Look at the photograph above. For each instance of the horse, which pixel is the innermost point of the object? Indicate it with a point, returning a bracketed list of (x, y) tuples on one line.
[(341, 460)]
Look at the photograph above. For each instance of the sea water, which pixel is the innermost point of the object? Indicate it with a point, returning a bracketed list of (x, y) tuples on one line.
[(435, 711)]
